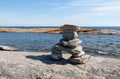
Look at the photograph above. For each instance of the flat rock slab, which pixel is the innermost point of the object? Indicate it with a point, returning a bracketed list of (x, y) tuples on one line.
[(33, 65), (70, 27), (7, 48)]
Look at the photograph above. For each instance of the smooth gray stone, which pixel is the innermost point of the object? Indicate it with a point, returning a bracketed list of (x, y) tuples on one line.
[(77, 54), (79, 60), (71, 43), (69, 34), (76, 50), (74, 42), (56, 54)]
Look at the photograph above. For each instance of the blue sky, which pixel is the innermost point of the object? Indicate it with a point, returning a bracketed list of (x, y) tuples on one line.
[(59, 12)]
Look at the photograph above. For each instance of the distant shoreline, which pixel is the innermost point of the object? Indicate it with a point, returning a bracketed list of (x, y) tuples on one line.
[(86, 30), (87, 27)]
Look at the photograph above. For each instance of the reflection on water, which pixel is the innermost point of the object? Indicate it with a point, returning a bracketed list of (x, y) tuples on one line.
[(43, 42)]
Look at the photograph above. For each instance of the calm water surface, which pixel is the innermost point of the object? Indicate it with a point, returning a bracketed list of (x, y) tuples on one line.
[(43, 42)]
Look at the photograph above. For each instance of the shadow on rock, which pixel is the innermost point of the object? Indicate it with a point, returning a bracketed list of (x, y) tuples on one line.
[(48, 60)]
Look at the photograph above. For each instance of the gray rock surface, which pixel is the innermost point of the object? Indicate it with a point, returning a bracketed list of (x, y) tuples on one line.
[(69, 34), (7, 48), (26, 65)]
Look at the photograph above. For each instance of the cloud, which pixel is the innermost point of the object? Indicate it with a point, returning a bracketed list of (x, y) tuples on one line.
[(107, 8), (115, 8), (84, 12), (92, 5), (84, 2)]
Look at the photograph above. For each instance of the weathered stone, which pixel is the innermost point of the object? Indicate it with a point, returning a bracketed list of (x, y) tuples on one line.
[(70, 44), (102, 53), (74, 43), (76, 50), (56, 56), (69, 34), (2, 77), (79, 60), (70, 27), (7, 48), (77, 53), (56, 47)]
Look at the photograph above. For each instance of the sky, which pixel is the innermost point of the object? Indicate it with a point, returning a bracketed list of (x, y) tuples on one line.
[(59, 12)]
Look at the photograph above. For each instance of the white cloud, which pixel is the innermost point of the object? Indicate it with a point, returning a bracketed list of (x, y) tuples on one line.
[(109, 6), (92, 6), (84, 2), (90, 12)]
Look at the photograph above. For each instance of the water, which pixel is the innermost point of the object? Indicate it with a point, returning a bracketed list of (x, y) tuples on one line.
[(29, 41), (104, 27), (43, 42)]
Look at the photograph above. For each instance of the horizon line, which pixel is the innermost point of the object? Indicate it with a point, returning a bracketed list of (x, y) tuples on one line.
[(58, 26)]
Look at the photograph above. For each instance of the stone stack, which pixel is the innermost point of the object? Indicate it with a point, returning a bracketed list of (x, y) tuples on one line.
[(71, 44)]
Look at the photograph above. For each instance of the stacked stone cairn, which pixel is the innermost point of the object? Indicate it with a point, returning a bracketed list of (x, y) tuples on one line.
[(70, 44)]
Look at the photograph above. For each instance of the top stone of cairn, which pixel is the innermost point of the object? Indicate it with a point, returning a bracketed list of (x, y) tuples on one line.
[(70, 27)]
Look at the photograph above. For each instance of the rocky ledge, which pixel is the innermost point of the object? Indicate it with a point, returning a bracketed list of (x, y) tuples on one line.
[(7, 48), (27, 65)]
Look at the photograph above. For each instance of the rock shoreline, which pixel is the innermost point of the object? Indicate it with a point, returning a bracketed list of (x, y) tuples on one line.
[(27, 65), (57, 30)]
